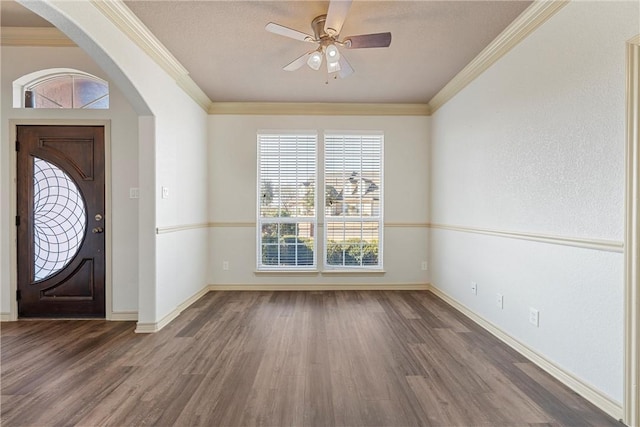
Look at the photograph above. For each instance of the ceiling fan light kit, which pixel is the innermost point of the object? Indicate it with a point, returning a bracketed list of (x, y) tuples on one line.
[(326, 29), (315, 60), (332, 52)]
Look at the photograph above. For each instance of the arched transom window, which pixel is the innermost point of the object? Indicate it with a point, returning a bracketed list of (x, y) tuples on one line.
[(61, 88)]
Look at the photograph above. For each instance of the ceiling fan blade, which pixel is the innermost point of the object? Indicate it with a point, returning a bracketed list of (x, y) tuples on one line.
[(288, 32), (368, 40), (336, 15), (345, 68), (298, 62)]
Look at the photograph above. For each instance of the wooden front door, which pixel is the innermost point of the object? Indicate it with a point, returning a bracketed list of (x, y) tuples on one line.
[(60, 223)]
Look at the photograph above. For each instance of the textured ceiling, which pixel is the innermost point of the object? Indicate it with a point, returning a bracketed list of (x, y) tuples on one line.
[(228, 53)]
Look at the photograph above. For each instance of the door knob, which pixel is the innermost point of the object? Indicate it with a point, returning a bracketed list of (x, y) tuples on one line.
[(97, 230)]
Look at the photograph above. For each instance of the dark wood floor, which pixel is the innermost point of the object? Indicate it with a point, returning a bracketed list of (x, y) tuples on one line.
[(281, 359)]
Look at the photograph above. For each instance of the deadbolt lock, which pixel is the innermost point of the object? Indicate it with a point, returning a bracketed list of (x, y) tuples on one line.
[(98, 217)]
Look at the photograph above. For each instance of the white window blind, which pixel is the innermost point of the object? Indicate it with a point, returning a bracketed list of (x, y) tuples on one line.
[(287, 201), (353, 200)]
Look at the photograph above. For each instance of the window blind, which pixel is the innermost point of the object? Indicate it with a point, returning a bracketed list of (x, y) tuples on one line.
[(353, 200), (287, 200)]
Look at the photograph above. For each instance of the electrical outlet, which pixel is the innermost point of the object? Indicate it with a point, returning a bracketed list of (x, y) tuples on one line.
[(165, 192), (134, 193), (534, 317), (474, 288), (225, 265), (500, 301), (424, 266)]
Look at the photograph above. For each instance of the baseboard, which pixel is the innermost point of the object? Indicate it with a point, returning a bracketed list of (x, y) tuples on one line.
[(574, 383), (146, 328), (324, 287), (124, 316), (150, 328), (117, 316)]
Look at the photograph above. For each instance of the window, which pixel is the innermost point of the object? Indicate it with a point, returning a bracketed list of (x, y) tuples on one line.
[(353, 200), (61, 88), (287, 201), (287, 214)]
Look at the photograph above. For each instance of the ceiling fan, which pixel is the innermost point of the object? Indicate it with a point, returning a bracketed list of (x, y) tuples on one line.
[(326, 30)]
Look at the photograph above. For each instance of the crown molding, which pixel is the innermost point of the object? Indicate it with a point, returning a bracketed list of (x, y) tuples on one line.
[(318, 109), (34, 36), (534, 16), (125, 20)]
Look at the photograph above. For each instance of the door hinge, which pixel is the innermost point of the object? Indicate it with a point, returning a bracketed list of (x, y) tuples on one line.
[(18, 295), (17, 145), (17, 220)]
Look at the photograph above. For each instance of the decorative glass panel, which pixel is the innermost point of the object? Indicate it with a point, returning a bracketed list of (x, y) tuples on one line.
[(70, 91), (59, 219)]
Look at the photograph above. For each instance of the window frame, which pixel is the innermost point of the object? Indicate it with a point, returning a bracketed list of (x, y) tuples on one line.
[(326, 219), (27, 81), (286, 220)]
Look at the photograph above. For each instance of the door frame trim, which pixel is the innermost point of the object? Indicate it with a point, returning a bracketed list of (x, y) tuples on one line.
[(631, 402), (106, 124)]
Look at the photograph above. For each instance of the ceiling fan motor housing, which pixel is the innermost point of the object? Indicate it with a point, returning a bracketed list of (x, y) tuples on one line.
[(318, 28)]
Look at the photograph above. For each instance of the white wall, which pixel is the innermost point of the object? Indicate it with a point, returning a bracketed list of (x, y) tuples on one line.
[(18, 61), (232, 196), (536, 145), (181, 166)]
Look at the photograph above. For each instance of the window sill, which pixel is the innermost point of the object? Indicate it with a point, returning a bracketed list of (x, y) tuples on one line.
[(303, 273), (286, 273), (353, 272)]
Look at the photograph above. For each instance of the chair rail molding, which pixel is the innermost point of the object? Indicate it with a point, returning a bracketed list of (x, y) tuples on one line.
[(578, 242)]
